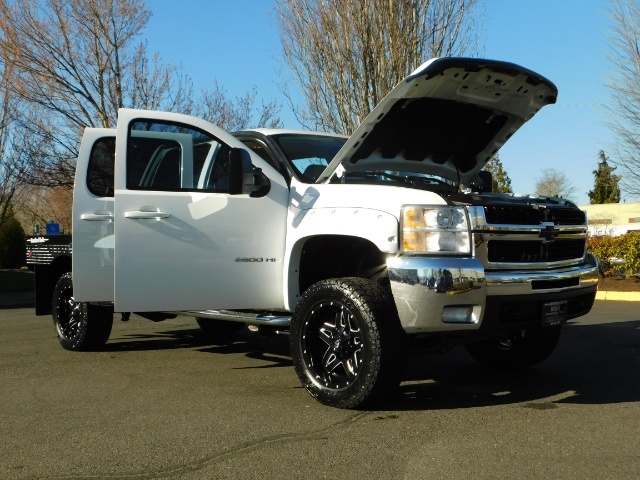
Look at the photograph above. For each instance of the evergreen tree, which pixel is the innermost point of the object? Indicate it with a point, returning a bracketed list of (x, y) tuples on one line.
[(501, 181), (12, 243), (606, 189)]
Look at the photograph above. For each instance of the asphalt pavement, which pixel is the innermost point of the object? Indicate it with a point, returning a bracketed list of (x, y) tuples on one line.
[(163, 400)]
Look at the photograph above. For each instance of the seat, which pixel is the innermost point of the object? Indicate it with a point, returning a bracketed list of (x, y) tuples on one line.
[(312, 172)]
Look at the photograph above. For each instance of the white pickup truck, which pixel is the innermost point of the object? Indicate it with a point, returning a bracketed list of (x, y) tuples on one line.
[(359, 248)]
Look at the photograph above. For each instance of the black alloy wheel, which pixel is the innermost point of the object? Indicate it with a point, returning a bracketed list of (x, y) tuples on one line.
[(79, 326), (347, 342), (332, 344)]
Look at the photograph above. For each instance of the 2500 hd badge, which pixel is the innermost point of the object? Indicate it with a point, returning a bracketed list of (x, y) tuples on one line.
[(257, 259)]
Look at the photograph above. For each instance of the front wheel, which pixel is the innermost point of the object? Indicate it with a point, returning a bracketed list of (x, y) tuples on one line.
[(518, 350), (347, 342), (79, 326)]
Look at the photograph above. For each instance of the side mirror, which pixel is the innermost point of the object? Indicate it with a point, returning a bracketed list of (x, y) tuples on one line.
[(244, 177)]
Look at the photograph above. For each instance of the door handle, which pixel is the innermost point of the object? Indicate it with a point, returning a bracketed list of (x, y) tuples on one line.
[(141, 215), (97, 217)]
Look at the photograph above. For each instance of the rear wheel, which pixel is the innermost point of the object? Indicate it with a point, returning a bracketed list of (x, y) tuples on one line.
[(79, 326), (347, 342), (518, 350)]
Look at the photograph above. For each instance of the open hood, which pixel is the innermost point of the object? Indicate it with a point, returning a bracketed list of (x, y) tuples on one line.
[(448, 118)]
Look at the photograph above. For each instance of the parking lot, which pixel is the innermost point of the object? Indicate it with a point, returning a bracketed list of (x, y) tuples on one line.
[(164, 401)]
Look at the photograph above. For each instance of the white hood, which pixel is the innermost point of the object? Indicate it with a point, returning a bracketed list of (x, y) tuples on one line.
[(448, 118)]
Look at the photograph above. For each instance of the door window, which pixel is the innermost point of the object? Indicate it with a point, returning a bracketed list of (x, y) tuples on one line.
[(100, 169), (173, 157)]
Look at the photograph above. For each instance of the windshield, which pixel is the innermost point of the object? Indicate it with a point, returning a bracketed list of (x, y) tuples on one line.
[(309, 154)]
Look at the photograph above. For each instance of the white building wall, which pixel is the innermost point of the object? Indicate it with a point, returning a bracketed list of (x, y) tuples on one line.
[(613, 218)]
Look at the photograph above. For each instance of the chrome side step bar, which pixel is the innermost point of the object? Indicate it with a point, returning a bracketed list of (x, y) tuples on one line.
[(280, 321)]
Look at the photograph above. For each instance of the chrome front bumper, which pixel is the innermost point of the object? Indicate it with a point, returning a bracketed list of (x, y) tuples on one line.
[(450, 294)]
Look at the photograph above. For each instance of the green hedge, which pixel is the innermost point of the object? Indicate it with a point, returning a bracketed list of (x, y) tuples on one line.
[(617, 255)]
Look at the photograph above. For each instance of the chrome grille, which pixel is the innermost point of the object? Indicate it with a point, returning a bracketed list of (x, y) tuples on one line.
[(529, 215), (528, 251)]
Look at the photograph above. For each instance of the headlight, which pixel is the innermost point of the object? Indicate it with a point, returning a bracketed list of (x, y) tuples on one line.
[(443, 230)]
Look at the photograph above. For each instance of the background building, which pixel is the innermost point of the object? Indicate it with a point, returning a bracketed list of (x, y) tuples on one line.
[(613, 218)]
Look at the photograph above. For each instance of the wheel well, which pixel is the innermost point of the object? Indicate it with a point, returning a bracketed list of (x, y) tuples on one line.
[(46, 278), (337, 256)]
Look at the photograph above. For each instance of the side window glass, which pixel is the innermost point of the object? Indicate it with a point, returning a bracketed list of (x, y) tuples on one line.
[(174, 157), (260, 149), (309, 154), (100, 169), (153, 164)]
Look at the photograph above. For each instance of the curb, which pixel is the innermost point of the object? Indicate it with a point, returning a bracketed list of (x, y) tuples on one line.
[(619, 296)]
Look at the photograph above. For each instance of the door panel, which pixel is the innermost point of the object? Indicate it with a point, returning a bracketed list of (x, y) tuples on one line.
[(182, 243), (93, 234)]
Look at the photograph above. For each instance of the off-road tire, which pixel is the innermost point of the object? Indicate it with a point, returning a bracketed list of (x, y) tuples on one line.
[(79, 326), (347, 344), (518, 351)]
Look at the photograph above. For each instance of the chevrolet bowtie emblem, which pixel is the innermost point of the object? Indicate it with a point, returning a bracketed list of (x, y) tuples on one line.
[(549, 232)]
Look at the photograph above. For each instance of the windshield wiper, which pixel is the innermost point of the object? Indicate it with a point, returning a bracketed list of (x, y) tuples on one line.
[(432, 181), (406, 179), (376, 174)]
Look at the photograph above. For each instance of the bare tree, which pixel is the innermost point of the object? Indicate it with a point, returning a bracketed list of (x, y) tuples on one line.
[(14, 158), (624, 84), (217, 108), (554, 183), (77, 60), (36, 205), (346, 55)]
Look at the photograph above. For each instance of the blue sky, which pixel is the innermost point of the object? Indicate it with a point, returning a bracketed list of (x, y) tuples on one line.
[(236, 42)]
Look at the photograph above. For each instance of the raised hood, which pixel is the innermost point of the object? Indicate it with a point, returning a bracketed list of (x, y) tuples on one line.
[(448, 118)]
